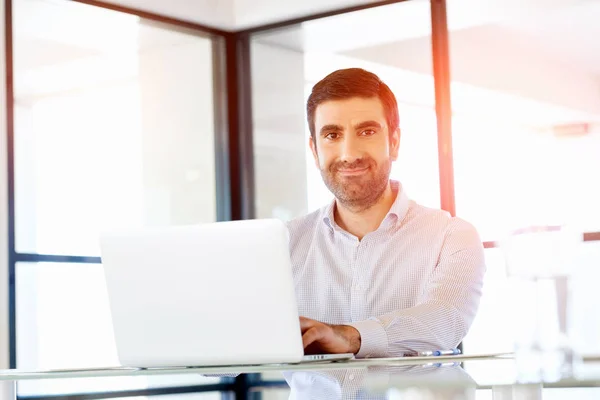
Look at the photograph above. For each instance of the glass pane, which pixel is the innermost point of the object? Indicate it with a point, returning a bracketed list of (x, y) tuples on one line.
[(526, 109), (491, 329), (113, 127), (287, 63), (494, 327), (63, 321)]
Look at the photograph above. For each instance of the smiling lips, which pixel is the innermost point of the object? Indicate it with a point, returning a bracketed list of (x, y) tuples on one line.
[(353, 171)]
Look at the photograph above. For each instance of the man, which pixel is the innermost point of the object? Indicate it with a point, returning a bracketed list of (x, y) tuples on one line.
[(376, 274)]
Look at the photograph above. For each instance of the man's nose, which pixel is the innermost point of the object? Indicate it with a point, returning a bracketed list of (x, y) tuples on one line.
[(350, 150)]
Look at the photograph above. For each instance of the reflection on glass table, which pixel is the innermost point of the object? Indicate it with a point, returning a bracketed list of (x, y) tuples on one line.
[(385, 382)]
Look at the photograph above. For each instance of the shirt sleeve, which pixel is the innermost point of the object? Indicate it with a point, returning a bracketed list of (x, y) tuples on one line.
[(444, 313)]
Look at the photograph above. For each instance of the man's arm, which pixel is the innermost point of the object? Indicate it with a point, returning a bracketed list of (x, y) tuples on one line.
[(442, 316)]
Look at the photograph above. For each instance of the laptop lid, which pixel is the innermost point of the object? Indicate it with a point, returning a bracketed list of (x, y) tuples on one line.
[(212, 294)]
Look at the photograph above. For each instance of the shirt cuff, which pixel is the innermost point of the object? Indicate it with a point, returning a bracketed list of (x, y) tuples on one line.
[(373, 339)]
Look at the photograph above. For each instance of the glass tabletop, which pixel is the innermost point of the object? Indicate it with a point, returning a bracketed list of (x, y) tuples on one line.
[(16, 374), (452, 377)]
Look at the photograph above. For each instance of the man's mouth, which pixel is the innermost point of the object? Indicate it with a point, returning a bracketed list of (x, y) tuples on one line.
[(353, 171)]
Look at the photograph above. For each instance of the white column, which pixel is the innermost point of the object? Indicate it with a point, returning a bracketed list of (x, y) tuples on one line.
[(280, 138)]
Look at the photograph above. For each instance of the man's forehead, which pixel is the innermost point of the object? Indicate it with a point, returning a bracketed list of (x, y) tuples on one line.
[(354, 109)]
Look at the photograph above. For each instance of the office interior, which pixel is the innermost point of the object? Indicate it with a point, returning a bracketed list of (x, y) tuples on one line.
[(135, 113)]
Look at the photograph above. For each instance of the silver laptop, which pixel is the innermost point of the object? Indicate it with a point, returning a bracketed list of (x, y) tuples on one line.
[(212, 294)]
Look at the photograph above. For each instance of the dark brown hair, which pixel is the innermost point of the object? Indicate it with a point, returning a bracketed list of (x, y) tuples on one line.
[(352, 82)]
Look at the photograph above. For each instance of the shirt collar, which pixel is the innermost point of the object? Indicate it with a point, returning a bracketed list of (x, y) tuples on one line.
[(397, 211)]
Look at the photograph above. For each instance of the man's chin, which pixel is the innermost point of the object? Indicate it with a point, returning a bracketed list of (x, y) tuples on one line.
[(356, 204), (353, 183), (358, 197), (355, 195)]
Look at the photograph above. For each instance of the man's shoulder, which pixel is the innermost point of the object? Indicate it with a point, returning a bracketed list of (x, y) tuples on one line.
[(305, 222), (305, 229), (421, 214)]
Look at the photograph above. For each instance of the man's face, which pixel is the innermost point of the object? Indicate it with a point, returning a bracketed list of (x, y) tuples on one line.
[(354, 150)]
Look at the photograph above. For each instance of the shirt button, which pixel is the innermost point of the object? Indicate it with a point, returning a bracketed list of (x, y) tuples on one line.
[(351, 377)]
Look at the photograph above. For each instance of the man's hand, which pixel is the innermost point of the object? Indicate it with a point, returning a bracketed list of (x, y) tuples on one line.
[(320, 338)]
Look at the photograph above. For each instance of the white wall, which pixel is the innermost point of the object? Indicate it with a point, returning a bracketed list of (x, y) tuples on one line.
[(176, 84)]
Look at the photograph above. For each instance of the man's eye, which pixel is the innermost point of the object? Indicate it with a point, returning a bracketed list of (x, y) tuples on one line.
[(368, 132), (332, 136)]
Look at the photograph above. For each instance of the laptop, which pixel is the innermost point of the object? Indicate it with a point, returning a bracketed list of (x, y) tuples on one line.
[(215, 294)]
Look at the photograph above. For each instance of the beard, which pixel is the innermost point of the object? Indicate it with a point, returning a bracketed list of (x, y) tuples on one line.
[(360, 192)]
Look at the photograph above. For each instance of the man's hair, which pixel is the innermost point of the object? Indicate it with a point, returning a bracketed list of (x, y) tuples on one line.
[(352, 82)]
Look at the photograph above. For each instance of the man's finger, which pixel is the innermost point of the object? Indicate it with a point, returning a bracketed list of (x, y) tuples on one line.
[(310, 336), (306, 323)]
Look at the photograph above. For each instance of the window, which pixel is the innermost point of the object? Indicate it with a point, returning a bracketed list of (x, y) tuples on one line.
[(526, 112), (493, 328), (286, 64), (526, 143), (64, 322), (113, 128)]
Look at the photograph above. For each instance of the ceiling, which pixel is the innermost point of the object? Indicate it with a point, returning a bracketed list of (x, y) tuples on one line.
[(536, 59), (544, 52), (566, 35), (549, 55), (235, 15)]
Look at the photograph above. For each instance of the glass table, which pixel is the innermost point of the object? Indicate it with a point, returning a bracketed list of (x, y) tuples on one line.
[(454, 377)]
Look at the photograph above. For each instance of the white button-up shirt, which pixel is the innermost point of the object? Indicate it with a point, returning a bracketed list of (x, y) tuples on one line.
[(414, 284)]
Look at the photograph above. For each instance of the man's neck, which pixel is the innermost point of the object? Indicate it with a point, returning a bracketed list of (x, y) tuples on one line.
[(361, 222)]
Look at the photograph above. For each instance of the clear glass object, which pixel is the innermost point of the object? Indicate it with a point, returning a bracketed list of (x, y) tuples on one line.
[(540, 262)]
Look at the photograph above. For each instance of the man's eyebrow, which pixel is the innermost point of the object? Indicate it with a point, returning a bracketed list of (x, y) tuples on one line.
[(331, 127), (367, 124)]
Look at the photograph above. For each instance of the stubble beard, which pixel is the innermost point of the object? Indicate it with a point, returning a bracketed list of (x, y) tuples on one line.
[(358, 193)]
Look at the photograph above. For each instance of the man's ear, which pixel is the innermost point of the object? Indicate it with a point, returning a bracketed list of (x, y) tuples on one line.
[(395, 144), (313, 148)]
